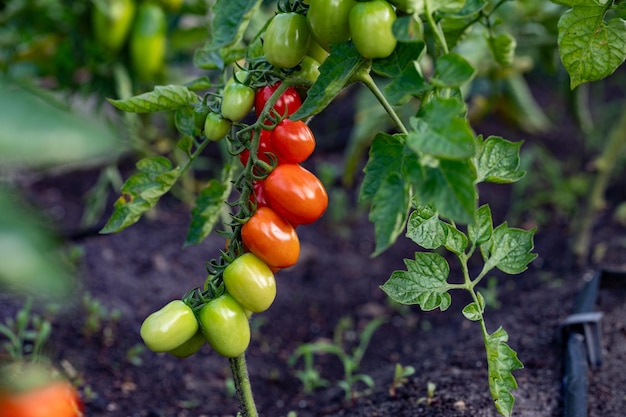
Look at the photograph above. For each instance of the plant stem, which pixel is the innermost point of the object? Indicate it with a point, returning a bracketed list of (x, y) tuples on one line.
[(441, 39), (604, 165), (367, 79), (243, 389)]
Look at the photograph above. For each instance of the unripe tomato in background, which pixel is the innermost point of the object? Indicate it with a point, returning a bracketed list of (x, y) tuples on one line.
[(31, 389), (172, 6), (148, 41), (237, 101), (296, 194), (370, 25), (216, 127), (328, 20), (286, 40), (316, 51), (111, 21), (250, 281), (225, 326), (169, 327), (271, 238)]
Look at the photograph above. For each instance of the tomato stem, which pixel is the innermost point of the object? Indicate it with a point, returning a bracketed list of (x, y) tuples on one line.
[(243, 389), (367, 79), (441, 39)]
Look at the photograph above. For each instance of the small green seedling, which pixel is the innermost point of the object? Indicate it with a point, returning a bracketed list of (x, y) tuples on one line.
[(400, 375), (26, 334), (430, 398)]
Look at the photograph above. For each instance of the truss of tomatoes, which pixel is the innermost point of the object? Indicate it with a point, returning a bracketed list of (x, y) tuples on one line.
[(289, 196)]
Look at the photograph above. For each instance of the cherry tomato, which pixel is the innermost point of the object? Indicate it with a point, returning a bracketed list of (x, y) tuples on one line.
[(286, 105), (265, 148), (216, 127), (286, 40), (29, 389), (250, 282), (169, 327), (316, 51), (237, 101), (292, 141), (271, 238), (190, 347), (370, 25), (296, 194), (328, 20), (309, 70), (225, 326), (258, 194), (111, 21), (147, 41)]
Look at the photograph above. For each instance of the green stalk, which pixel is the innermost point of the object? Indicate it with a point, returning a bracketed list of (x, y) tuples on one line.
[(367, 79), (243, 389), (605, 165)]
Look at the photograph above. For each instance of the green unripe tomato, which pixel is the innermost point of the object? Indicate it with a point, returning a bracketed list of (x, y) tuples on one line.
[(190, 347), (409, 6), (286, 40), (225, 326), (216, 127), (237, 101), (328, 20), (172, 6), (316, 51), (169, 327), (251, 282), (370, 25), (111, 22), (309, 70), (148, 41)]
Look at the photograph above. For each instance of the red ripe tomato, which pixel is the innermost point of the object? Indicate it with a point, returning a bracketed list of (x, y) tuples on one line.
[(258, 194), (271, 238), (286, 105), (292, 141), (265, 146), (296, 194)]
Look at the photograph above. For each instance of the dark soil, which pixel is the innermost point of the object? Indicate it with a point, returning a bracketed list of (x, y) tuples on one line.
[(145, 266)]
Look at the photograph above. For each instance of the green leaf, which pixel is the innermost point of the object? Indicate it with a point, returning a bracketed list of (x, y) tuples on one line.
[(498, 160), (199, 84), (409, 83), (472, 312), (405, 55), (169, 97), (185, 144), (509, 249), (456, 241), (423, 283), (389, 211), (209, 204), (208, 60), (450, 188), (502, 47), (335, 73), (590, 48), (38, 133), (452, 71), (185, 121), (425, 228), (442, 130), (408, 29), (385, 152), (141, 192), (481, 230), (231, 18), (501, 361)]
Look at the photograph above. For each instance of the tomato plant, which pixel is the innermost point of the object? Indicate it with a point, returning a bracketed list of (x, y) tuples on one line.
[(296, 194), (292, 141), (370, 26), (271, 238), (169, 327), (215, 126), (225, 325), (237, 101)]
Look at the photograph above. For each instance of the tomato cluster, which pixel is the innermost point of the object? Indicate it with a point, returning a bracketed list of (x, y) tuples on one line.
[(288, 196)]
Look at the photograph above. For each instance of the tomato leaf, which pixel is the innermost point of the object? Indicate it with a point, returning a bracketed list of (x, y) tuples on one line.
[(335, 73), (209, 204), (501, 361), (423, 283), (169, 97), (408, 29), (230, 20), (481, 230), (141, 192), (184, 120), (440, 129), (425, 228), (498, 160), (452, 71), (389, 211), (450, 188), (473, 312), (408, 83), (385, 152), (509, 249), (456, 241), (400, 67), (591, 48)]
